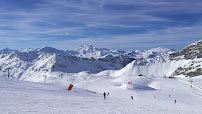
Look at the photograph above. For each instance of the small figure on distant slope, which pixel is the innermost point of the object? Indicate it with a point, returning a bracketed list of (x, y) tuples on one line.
[(104, 95), (108, 94), (132, 97), (175, 101)]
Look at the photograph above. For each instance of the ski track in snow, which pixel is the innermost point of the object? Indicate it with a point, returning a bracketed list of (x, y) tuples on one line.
[(195, 89)]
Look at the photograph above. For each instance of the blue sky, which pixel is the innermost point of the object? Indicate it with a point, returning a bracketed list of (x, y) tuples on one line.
[(113, 24)]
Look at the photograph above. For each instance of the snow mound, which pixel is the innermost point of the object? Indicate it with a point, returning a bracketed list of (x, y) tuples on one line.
[(106, 73), (84, 73), (142, 84)]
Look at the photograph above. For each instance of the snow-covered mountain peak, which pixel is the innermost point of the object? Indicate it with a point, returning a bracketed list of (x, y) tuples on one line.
[(89, 51), (85, 47), (118, 52), (47, 49), (90, 48), (28, 50), (158, 50), (6, 50)]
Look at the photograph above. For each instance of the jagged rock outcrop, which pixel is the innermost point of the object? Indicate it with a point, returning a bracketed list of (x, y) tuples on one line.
[(191, 69), (190, 52)]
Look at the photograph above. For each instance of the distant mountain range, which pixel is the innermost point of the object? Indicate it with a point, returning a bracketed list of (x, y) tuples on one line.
[(89, 51), (35, 63)]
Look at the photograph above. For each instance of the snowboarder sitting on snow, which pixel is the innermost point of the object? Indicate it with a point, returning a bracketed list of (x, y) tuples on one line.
[(104, 95), (108, 94)]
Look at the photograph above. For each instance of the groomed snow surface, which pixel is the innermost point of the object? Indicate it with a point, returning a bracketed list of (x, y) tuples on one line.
[(151, 95)]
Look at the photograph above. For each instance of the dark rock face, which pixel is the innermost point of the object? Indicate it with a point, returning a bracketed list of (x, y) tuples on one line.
[(190, 52), (198, 72), (185, 71), (190, 70), (74, 64)]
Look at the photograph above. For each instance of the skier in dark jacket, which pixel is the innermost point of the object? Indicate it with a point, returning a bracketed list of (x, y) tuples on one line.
[(104, 95), (131, 97)]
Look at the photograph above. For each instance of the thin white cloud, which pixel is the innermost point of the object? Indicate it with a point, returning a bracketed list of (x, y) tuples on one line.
[(78, 17), (180, 36), (48, 22)]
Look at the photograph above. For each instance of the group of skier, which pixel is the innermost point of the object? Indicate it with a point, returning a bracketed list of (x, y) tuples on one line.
[(104, 94), (175, 101)]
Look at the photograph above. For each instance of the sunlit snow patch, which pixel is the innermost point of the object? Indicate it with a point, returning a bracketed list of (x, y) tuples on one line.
[(123, 86), (141, 83)]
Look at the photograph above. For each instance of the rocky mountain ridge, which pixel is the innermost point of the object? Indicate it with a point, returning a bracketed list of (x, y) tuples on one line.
[(192, 53)]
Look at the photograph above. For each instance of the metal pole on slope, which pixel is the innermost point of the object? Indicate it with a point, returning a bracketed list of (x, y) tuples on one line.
[(8, 72), (61, 75), (74, 79), (191, 82), (45, 76), (71, 85)]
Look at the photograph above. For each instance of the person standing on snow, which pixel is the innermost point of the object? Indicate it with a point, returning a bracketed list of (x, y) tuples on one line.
[(104, 95), (175, 101), (131, 97)]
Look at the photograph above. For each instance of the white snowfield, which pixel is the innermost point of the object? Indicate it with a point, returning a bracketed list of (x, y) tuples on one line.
[(150, 95)]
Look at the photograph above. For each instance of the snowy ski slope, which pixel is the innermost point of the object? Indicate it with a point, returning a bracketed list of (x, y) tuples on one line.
[(21, 97)]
